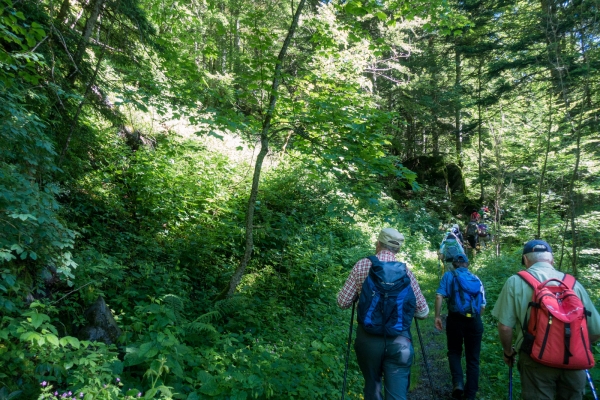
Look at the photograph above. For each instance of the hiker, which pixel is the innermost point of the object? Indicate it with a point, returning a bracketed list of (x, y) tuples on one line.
[(450, 247), (465, 296), (472, 230), (456, 231), (483, 234), (388, 353), (542, 376)]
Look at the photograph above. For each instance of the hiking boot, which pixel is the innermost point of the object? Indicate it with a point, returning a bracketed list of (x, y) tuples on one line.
[(457, 392)]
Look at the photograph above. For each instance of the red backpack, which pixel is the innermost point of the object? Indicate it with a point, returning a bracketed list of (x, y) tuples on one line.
[(557, 334)]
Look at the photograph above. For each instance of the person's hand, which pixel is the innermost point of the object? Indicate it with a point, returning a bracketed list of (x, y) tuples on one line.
[(509, 358), (438, 323)]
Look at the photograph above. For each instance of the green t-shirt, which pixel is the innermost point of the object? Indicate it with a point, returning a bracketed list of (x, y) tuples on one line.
[(511, 306)]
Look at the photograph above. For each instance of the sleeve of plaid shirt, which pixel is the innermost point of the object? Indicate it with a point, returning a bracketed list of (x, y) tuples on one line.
[(356, 278), (422, 307), (351, 288)]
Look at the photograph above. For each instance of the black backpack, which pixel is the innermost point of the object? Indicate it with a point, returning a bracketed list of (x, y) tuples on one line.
[(472, 228), (387, 302)]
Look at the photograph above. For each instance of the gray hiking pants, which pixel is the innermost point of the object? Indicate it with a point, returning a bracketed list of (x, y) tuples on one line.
[(389, 358)]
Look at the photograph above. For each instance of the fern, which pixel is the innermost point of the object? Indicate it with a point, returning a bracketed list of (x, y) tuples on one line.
[(200, 327), (175, 304)]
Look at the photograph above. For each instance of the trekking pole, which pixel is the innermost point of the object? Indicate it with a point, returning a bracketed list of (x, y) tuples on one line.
[(425, 358), (510, 380), (348, 351), (589, 377), (510, 368)]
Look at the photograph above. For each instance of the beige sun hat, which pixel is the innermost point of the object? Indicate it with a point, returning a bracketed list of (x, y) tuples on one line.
[(391, 237)]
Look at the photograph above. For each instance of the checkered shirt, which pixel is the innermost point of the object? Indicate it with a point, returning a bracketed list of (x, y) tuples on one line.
[(351, 288)]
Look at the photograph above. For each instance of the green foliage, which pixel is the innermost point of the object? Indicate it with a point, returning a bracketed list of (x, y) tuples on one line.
[(155, 222), (32, 230)]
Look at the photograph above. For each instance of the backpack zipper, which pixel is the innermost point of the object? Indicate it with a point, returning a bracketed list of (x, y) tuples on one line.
[(545, 336), (587, 354)]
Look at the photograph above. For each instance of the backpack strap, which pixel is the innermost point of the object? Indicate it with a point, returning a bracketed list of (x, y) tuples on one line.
[(374, 260), (569, 281), (533, 282), (529, 278)]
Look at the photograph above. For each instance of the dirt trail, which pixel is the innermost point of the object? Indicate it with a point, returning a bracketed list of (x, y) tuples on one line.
[(435, 349)]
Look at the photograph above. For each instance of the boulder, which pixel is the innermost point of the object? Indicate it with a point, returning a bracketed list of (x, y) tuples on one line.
[(101, 325)]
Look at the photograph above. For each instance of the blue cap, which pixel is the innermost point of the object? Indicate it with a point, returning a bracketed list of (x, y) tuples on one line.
[(460, 258), (535, 246)]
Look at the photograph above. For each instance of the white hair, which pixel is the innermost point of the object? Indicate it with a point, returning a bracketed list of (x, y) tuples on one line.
[(540, 256)]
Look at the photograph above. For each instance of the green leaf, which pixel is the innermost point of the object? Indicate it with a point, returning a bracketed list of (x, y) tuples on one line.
[(38, 319), (30, 336), (52, 339), (70, 340), (213, 133), (381, 15)]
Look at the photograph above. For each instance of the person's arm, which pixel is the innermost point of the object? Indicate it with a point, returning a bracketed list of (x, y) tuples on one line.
[(351, 287), (506, 336), (422, 308), (438, 308)]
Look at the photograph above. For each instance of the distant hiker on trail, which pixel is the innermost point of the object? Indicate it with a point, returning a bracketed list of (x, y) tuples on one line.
[(456, 231), (472, 230), (483, 234), (484, 212), (383, 342), (450, 247), (554, 336), (466, 302)]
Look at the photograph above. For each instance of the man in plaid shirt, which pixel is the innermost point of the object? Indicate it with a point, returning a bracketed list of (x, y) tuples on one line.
[(379, 356)]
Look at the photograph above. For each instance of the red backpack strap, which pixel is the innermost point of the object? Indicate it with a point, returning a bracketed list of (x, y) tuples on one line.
[(569, 281), (529, 278)]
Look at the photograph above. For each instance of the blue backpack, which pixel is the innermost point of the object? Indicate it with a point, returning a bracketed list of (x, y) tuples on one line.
[(466, 292), (387, 303), (451, 249)]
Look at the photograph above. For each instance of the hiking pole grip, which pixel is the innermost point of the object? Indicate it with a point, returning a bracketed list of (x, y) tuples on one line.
[(425, 358), (589, 378), (348, 350)]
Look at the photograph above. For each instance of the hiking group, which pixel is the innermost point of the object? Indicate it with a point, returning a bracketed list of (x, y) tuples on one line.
[(554, 318)]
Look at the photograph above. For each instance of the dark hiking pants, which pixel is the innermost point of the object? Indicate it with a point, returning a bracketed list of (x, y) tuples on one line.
[(390, 358), (468, 331)]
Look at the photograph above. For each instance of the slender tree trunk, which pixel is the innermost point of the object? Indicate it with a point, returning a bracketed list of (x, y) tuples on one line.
[(87, 32), (264, 143), (479, 149), (562, 246), (457, 111), (573, 203), (543, 173), (435, 139), (64, 11)]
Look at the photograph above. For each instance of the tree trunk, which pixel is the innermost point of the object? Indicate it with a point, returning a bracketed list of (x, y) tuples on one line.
[(264, 143), (87, 32), (457, 111), (64, 11), (543, 174), (479, 149)]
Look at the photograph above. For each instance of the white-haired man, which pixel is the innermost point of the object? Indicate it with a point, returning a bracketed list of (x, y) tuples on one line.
[(538, 381), (378, 356)]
